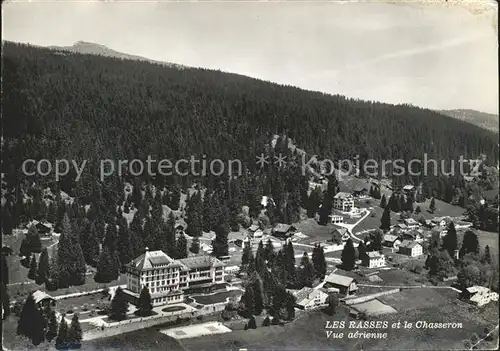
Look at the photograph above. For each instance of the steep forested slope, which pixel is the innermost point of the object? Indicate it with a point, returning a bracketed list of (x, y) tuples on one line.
[(67, 105)]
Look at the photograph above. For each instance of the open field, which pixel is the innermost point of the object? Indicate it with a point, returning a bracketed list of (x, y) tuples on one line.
[(442, 209), (314, 231), (417, 298), (373, 221)]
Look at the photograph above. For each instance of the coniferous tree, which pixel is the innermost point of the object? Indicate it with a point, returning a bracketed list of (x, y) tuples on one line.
[(470, 243), (119, 305), (258, 294), (195, 246), (62, 335), (245, 256), (450, 240), (362, 251), (290, 306), (248, 301), (90, 246), (169, 244), (43, 267), (107, 271), (376, 239), (75, 332), (175, 198), (32, 274), (124, 245), (348, 256), (70, 258), (194, 216), (383, 202), (486, 259), (181, 246), (333, 302), (385, 220), (432, 206), (51, 326), (314, 202), (38, 326), (26, 317), (291, 273), (269, 252), (144, 307), (251, 323), (306, 271)]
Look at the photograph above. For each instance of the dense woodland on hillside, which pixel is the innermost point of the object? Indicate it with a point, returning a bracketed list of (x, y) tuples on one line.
[(59, 105)]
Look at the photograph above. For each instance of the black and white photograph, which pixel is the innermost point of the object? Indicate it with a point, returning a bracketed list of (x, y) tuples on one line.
[(250, 175)]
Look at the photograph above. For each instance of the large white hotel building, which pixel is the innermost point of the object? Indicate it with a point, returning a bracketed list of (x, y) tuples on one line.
[(167, 279)]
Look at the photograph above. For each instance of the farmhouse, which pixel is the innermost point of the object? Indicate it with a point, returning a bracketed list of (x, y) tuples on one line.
[(44, 229), (258, 234), (343, 202), (284, 230), (462, 225), (43, 299), (479, 295), (343, 233), (411, 223), (360, 192), (336, 219), (410, 248), (265, 201), (341, 284), (441, 221), (400, 227), (309, 298), (167, 278), (441, 230), (374, 259), (391, 241), (413, 235)]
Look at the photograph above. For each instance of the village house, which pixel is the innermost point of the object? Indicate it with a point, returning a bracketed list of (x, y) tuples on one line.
[(343, 201), (336, 219), (44, 229), (309, 299), (462, 225), (265, 201), (409, 190), (411, 223), (42, 299), (167, 279), (258, 234), (479, 295), (374, 259), (441, 221), (399, 227), (441, 230), (413, 235), (342, 233), (391, 241), (360, 192), (284, 230), (411, 248), (339, 283)]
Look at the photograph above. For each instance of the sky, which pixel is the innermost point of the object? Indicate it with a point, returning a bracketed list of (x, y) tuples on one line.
[(438, 56)]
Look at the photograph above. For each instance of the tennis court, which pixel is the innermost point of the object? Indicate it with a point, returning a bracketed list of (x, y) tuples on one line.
[(196, 330)]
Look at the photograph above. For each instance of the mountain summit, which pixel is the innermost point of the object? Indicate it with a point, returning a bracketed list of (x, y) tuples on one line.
[(84, 47)]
